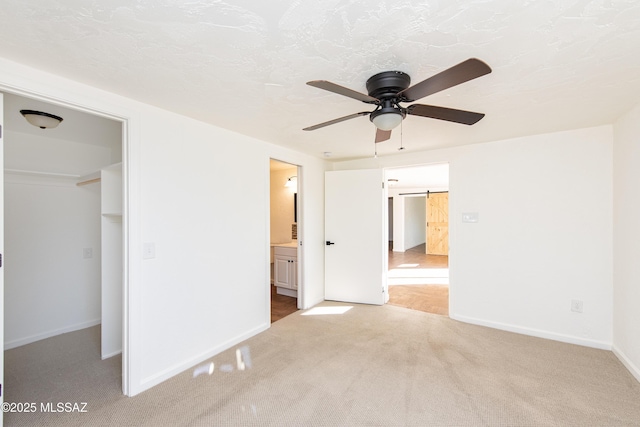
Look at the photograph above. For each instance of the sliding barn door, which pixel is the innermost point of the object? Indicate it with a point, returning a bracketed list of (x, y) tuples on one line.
[(438, 224), (355, 247)]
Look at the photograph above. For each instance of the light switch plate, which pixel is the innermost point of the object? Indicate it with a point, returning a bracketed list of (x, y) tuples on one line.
[(149, 251), (470, 217)]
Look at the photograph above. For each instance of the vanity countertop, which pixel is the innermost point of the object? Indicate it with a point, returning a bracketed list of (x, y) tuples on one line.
[(291, 244)]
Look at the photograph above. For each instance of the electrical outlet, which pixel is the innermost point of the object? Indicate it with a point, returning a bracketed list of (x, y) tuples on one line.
[(87, 253), (576, 305)]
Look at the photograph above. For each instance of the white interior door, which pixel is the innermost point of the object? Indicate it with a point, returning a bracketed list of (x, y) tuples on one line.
[(355, 224), (1, 250)]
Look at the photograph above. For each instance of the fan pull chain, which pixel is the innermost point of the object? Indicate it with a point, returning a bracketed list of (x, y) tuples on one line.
[(375, 148), (401, 147)]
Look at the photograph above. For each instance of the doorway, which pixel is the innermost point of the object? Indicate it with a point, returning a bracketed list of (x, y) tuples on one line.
[(418, 272), (284, 220), (54, 237)]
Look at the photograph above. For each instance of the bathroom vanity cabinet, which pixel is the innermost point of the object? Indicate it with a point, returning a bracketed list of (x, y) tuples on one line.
[(285, 268)]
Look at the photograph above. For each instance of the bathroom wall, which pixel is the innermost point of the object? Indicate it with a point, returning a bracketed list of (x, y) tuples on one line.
[(282, 206)]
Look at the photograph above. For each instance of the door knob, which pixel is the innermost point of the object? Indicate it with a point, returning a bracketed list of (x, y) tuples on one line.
[(329, 243)]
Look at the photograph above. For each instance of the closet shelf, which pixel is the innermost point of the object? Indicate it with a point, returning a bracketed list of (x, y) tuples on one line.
[(97, 175), (88, 179), (43, 174)]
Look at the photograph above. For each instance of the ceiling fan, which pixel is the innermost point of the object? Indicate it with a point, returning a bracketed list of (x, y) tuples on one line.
[(389, 88)]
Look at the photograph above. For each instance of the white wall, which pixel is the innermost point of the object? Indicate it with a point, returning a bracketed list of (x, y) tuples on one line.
[(2, 247), (32, 153), (626, 238), (207, 289), (544, 235), (415, 216), (398, 224), (50, 287)]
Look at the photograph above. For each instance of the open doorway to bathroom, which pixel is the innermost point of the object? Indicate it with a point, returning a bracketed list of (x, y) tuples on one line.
[(418, 274), (283, 231)]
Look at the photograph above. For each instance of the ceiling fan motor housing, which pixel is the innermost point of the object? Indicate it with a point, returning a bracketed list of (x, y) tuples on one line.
[(385, 87), (387, 84)]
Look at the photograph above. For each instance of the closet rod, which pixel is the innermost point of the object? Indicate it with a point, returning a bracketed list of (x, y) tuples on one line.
[(42, 174), (89, 181)]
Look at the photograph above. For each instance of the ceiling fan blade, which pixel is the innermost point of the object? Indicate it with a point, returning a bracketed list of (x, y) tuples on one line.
[(338, 120), (442, 113), (382, 135), (463, 72), (341, 90)]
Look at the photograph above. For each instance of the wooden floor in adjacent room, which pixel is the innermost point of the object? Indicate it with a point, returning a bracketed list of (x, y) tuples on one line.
[(418, 256), (281, 305), (430, 298)]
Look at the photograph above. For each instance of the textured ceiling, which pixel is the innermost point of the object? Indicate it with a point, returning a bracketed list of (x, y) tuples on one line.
[(243, 64), (76, 126)]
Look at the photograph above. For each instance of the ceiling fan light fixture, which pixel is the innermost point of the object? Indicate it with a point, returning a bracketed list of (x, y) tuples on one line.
[(387, 118), (41, 119)]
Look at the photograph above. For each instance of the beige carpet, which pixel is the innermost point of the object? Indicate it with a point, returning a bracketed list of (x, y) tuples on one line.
[(371, 366)]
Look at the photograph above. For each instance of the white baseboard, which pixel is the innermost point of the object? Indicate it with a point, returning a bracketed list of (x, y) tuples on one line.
[(115, 353), (392, 281), (156, 379), (535, 332), (287, 292), (37, 337), (635, 371)]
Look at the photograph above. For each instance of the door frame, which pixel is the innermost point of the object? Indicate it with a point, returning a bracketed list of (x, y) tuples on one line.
[(299, 231), (128, 158), (2, 249), (412, 193), (451, 201)]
